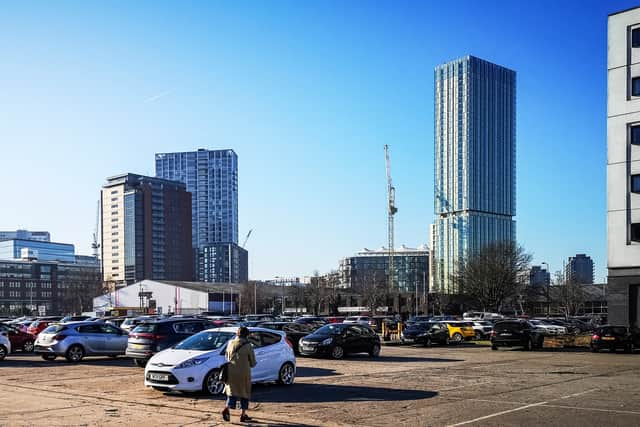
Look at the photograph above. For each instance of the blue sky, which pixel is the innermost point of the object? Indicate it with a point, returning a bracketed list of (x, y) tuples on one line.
[(307, 94)]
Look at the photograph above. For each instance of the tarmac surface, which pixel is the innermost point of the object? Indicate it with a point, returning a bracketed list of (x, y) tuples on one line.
[(412, 386)]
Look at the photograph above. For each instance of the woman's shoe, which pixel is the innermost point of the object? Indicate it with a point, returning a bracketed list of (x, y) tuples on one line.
[(226, 415), (245, 418)]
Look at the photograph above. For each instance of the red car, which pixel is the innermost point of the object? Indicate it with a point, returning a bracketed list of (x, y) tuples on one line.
[(19, 340), (40, 325)]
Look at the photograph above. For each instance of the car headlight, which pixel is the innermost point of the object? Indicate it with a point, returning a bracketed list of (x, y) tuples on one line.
[(192, 362), (327, 341), (422, 334)]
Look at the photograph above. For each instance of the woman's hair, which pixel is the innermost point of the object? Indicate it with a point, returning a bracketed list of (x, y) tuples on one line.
[(243, 332)]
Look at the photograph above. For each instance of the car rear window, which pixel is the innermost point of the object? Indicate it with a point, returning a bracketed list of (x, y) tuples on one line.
[(507, 326), (616, 330), (148, 328), (54, 329)]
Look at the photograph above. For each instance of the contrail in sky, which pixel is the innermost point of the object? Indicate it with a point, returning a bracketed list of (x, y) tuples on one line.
[(154, 98)]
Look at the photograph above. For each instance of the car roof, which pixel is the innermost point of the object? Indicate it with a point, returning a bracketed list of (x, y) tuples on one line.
[(234, 329)]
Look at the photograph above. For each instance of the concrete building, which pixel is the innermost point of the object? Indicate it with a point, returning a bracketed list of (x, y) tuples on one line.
[(211, 176), (40, 236), (146, 230), (475, 162), (539, 276), (37, 249), (579, 269), (623, 167)]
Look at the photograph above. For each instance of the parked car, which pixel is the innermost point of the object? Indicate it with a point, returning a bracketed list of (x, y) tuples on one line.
[(425, 333), (316, 322), (417, 319), (573, 326), (334, 319), (548, 327), (259, 318), (22, 325), (338, 339), (75, 340), (68, 319), (482, 328), (481, 315), (360, 320), (150, 337), (41, 324), (5, 344), (613, 338), (516, 333), (19, 340), (376, 323), (460, 331), (131, 322), (295, 331), (193, 364)]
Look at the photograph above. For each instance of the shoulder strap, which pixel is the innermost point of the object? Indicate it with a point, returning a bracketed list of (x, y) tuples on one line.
[(235, 353)]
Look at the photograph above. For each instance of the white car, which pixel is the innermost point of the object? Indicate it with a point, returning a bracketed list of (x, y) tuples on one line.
[(548, 328), (5, 344), (360, 320), (193, 364)]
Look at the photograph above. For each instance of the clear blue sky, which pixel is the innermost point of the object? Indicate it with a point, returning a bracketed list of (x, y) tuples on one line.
[(307, 94)]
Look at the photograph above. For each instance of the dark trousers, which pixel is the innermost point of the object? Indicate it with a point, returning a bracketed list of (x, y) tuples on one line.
[(231, 402)]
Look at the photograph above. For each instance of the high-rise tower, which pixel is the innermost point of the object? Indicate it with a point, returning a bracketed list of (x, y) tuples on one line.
[(475, 162)]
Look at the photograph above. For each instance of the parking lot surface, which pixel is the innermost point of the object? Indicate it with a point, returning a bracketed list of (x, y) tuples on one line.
[(413, 386)]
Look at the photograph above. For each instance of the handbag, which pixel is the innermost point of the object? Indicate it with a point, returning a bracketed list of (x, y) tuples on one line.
[(223, 373)]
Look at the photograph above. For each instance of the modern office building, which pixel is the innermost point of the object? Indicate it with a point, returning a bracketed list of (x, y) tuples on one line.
[(579, 269), (47, 288), (411, 265), (146, 230), (36, 249), (623, 167), (41, 236), (539, 276), (211, 176), (475, 162)]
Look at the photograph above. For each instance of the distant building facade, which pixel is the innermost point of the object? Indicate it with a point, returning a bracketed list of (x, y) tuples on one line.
[(146, 230), (579, 269), (539, 276), (475, 163), (47, 288), (623, 167), (211, 176), (411, 265), (36, 249), (40, 236)]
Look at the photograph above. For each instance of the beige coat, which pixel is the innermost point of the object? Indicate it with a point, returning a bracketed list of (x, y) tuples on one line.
[(239, 383)]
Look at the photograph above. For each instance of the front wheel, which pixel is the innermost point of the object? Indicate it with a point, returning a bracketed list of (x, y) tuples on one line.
[(211, 385), (3, 352), (375, 351), (337, 352), (27, 347), (74, 354), (49, 357), (457, 338), (287, 374), (140, 363)]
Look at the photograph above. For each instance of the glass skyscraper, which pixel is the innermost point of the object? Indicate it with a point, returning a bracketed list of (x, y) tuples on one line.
[(475, 162)]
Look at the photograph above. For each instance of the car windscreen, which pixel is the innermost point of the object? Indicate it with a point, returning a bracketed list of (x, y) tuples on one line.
[(205, 341), (148, 328), (54, 329), (331, 329)]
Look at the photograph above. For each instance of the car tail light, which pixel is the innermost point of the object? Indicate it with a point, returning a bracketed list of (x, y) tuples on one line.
[(289, 343), (158, 337), (493, 333), (595, 337), (59, 337)]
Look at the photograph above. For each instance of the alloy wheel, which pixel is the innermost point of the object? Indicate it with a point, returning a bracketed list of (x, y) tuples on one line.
[(75, 353), (212, 385), (337, 352), (287, 374), (3, 352), (28, 346)]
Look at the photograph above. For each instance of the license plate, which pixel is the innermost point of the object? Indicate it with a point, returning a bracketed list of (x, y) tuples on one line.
[(408, 340), (159, 377), (136, 346), (307, 348), (505, 335), (608, 338)]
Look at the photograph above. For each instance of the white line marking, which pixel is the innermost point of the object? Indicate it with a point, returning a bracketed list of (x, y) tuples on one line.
[(497, 414), (612, 411), (579, 394)]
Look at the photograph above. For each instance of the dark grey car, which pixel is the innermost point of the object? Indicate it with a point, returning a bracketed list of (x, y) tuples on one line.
[(76, 340)]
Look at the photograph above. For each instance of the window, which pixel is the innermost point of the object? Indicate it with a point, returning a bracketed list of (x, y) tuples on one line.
[(635, 135), (635, 86), (635, 37), (635, 183), (635, 232)]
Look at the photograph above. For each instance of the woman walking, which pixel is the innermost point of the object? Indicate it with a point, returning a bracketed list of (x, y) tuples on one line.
[(241, 359)]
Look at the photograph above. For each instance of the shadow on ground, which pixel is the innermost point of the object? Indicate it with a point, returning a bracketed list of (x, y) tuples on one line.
[(15, 361), (303, 393), (404, 359), (303, 371)]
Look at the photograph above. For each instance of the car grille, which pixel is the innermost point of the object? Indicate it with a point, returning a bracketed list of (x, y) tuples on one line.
[(171, 379)]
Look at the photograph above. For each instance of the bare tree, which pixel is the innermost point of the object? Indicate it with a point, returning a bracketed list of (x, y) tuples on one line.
[(497, 273), (569, 295), (315, 293), (372, 285), (77, 290)]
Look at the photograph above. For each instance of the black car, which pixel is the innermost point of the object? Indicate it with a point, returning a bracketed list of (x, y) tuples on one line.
[(516, 333), (612, 338), (316, 322), (150, 337), (337, 339), (294, 331), (425, 333)]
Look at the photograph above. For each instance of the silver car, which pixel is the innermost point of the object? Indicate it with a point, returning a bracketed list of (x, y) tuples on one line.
[(76, 340)]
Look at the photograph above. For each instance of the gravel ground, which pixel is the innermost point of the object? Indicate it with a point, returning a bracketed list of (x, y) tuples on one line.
[(412, 386)]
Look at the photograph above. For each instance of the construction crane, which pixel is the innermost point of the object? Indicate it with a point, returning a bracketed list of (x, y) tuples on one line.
[(391, 211), (246, 238), (95, 244)]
